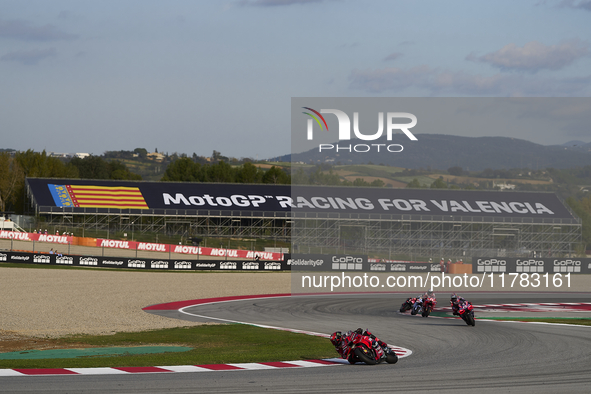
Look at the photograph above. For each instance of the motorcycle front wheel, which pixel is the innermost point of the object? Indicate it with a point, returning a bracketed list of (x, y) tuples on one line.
[(391, 357)]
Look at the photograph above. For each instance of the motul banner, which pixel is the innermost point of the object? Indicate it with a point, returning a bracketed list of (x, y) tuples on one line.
[(20, 236), (185, 249)]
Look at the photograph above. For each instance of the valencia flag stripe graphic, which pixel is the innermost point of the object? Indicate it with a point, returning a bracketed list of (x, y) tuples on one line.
[(87, 196)]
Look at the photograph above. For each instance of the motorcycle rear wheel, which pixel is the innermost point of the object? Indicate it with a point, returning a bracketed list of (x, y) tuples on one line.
[(360, 354)]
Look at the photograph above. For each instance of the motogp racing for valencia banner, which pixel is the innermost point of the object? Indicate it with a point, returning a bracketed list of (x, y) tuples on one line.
[(189, 198)]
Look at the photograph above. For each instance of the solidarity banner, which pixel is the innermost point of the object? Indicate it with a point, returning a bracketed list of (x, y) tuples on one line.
[(344, 262)]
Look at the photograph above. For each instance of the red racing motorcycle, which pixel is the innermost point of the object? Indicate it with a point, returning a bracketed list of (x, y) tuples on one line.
[(407, 305), (428, 306), (366, 349), (466, 312)]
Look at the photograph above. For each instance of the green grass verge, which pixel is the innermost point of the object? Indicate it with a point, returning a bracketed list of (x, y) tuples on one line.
[(561, 320), (212, 344)]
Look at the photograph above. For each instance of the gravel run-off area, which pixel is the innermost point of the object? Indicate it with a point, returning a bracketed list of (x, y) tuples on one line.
[(50, 303)]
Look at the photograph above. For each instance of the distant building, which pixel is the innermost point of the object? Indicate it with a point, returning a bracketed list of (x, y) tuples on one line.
[(504, 186), (55, 154), (156, 156), (81, 155)]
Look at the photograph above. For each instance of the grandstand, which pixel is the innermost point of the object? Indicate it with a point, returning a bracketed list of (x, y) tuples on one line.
[(373, 221)]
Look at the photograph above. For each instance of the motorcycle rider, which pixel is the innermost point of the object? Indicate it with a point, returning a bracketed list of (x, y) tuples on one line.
[(418, 301), (343, 342), (427, 294), (455, 302)]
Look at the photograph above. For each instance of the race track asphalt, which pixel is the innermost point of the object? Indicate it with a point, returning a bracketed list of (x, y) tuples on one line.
[(448, 356)]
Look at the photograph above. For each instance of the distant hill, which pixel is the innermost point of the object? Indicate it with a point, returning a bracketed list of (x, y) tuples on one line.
[(438, 151)]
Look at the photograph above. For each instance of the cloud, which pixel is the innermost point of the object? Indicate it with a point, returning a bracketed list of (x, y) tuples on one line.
[(22, 30), (392, 56), (534, 56), (276, 3), (461, 83), (580, 5), (29, 58)]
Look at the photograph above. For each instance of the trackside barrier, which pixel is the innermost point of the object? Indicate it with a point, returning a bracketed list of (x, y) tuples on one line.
[(530, 265), (142, 263), (237, 254)]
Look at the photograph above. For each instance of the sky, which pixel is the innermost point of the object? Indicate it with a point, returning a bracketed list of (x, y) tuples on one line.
[(197, 76)]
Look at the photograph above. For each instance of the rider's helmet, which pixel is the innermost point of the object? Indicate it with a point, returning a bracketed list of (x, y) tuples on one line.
[(454, 297), (336, 338), (430, 293)]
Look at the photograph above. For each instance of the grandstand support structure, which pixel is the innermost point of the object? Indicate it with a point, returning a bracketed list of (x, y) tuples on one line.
[(416, 237), (215, 224)]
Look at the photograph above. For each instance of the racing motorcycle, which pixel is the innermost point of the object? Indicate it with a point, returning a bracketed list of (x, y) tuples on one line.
[(417, 307), (366, 349), (407, 305), (466, 312), (428, 306)]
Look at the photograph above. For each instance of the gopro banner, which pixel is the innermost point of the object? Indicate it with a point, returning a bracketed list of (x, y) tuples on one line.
[(530, 265), (140, 263)]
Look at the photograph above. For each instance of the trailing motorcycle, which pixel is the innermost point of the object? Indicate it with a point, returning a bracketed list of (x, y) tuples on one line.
[(417, 307), (407, 305), (366, 349), (466, 312), (428, 306)]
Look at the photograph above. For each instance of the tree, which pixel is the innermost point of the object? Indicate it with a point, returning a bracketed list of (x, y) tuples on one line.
[(455, 171), (120, 171), (276, 175), (95, 167), (182, 170), (221, 172), (92, 167), (415, 184), (377, 183), (142, 152), (300, 177), (11, 180), (439, 183), (249, 173)]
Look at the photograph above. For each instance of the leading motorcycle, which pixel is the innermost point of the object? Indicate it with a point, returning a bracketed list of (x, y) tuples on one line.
[(366, 349)]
